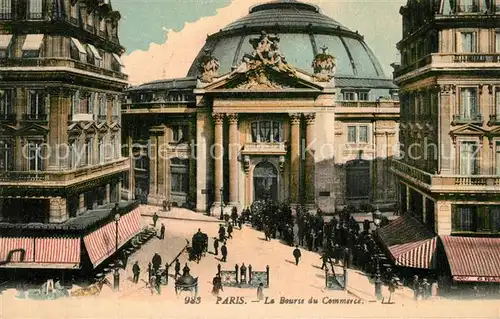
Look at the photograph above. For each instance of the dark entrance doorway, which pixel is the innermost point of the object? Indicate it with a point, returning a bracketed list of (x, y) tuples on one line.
[(265, 182)]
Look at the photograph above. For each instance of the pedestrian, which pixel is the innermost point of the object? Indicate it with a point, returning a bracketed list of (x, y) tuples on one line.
[(158, 282), (260, 292), (229, 231), (155, 219), (177, 268), (426, 289), (297, 254), (240, 222), (136, 270), (216, 285), (324, 258), (434, 290), (216, 246), (222, 233), (392, 288), (162, 231), (156, 261), (234, 215), (223, 251), (152, 283)]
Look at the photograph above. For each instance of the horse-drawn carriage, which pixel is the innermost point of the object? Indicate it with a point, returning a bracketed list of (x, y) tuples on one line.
[(199, 246)]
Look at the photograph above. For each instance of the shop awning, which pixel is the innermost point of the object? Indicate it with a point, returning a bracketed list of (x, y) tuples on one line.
[(94, 51), (118, 59), (78, 46), (101, 243), (473, 259), (30, 252), (5, 41), (409, 242), (33, 42)]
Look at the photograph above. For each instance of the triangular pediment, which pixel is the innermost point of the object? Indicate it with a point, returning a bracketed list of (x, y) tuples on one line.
[(90, 128), (495, 131), (115, 127), (468, 129), (7, 130), (33, 129), (263, 78), (102, 127)]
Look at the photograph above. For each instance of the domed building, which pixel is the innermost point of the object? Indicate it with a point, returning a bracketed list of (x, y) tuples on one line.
[(284, 104)]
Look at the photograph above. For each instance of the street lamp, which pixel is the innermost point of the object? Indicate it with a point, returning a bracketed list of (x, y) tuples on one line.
[(377, 217), (378, 281), (116, 275), (221, 203)]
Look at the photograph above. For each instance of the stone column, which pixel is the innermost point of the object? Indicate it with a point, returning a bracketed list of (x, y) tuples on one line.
[(131, 175), (163, 165), (107, 198), (204, 136), (59, 105), (233, 159), (218, 153), (81, 205), (153, 162), (58, 212), (309, 160), (446, 105), (378, 167), (118, 190), (294, 157)]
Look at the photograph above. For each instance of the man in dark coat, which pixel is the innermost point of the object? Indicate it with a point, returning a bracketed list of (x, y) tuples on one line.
[(234, 215), (223, 251), (222, 233), (156, 261), (325, 259), (162, 231), (229, 231), (240, 222), (136, 270), (297, 254), (155, 219), (216, 246), (177, 268)]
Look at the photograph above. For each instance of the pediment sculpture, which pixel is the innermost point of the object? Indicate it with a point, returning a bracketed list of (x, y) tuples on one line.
[(324, 66), (208, 66), (266, 55)]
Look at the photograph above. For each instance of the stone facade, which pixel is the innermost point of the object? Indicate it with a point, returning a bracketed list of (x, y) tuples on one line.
[(60, 123), (450, 117)]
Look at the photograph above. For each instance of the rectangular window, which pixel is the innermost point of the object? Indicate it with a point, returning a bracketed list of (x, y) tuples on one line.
[(497, 42), (467, 6), (36, 105), (102, 105), (469, 42), (72, 155), (497, 104), (363, 96), (349, 96), (351, 134), (465, 218), (6, 156), (5, 40), (180, 182), (469, 109), (255, 132), (93, 55), (112, 148), (363, 134), (78, 51), (5, 103), (494, 219), (35, 156), (101, 151), (497, 158), (89, 151), (5, 9), (35, 9), (469, 152), (31, 46)]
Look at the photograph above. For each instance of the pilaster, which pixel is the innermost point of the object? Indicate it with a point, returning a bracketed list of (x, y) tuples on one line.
[(443, 218), (58, 212), (309, 158), (204, 137), (294, 157), (233, 159), (153, 164), (218, 152)]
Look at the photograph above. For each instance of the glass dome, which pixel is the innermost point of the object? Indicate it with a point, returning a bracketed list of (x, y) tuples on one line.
[(303, 30)]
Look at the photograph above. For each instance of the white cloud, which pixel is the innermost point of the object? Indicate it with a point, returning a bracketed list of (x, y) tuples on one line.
[(378, 21)]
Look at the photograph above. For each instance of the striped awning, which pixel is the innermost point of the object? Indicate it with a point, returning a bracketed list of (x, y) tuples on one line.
[(420, 254), (30, 252), (102, 243), (5, 41), (33, 42), (409, 242), (473, 259)]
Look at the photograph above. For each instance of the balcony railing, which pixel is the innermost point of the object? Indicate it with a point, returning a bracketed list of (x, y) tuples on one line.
[(264, 148), (465, 119), (476, 58), (5, 16), (56, 62), (34, 117), (494, 119), (468, 8), (413, 172), (60, 177)]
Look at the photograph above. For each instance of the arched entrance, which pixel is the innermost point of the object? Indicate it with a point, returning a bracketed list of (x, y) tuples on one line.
[(265, 181)]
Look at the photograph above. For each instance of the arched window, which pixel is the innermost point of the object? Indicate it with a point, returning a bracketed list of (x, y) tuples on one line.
[(267, 131)]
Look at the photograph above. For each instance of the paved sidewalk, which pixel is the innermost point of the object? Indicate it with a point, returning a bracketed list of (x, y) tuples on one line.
[(176, 213)]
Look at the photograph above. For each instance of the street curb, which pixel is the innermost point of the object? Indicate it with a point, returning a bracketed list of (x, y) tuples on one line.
[(185, 219), (359, 297)]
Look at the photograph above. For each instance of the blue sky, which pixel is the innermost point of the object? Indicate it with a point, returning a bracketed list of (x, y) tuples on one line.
[(163, 37)]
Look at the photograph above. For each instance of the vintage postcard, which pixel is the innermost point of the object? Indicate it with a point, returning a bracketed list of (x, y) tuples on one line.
[(249, 158)]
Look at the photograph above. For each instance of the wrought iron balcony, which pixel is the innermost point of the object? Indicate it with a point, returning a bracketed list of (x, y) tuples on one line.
[(63, 63), (465, 119), (34, 117), (476, 58), (412, 172)]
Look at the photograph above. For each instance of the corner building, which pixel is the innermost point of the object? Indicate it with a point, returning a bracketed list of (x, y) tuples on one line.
[(449, 174), (284, 103), (60, 132)]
